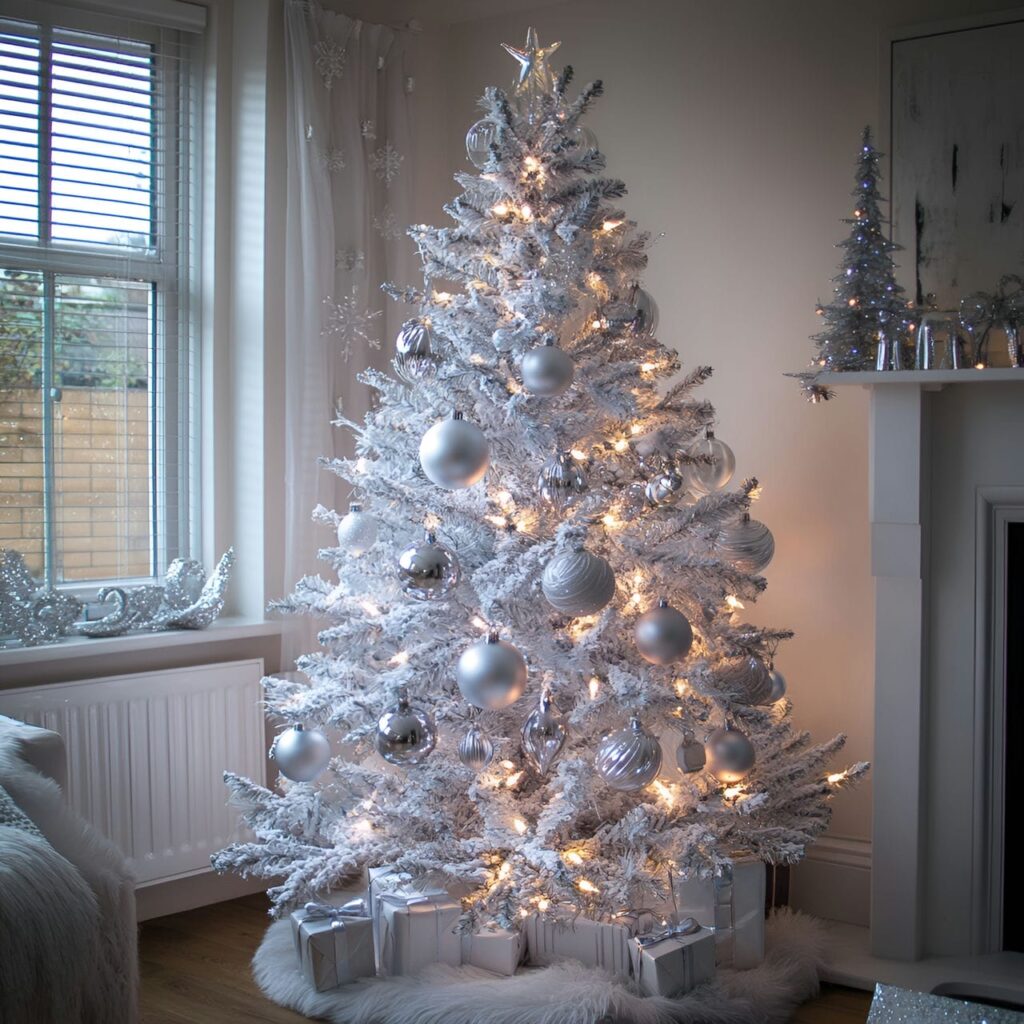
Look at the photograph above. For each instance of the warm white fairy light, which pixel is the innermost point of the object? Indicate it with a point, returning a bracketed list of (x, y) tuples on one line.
[(507, 765), (500, 209), (584, 885), (401, 658), (370, 608), (543, 903), (573, 857), (526, 212), (504, 871), (621, 444), (360, 465), (579, 455), (519, 825), (594, 686), (663, 791), (513, 779), (836, 777), (443, 298), (733, 603), (732, 792), (611, 225), (480, 623)]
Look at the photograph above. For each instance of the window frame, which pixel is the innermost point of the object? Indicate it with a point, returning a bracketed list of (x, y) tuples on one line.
[(171, 265)]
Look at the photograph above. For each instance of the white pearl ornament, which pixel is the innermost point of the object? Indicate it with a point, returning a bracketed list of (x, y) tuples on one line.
[(357, 531)]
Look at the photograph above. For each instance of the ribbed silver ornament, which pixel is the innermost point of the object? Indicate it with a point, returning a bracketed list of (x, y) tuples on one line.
[(562, 481), (544, 735), (744, 680), (748, 544), (476, 749), (629, 759), (578, 583)]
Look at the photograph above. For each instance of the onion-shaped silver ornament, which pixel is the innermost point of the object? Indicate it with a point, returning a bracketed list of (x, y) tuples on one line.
[(748, 544), (544, 734), (665, 489), (453, 453), (711, 476), (628, 759), (357, 531), (405, 734), (745, 680), (428, 570), (415, 358), (578, 583), (491, 673), (562, 481), (663, 635), (478, 142), (476, 749), (301, 754), (690, 755), (778, 684), (731, 755), (547, 370)]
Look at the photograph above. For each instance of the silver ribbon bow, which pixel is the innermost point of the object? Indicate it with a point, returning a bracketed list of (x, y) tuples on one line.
[(688, 926), (319, 911)]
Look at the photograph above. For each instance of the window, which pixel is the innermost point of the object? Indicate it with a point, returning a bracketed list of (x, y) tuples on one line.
[(96, 319)]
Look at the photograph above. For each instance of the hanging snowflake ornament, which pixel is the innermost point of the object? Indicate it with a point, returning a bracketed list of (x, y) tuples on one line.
[(368, 129), (386, 224), (351, 323), (349, 259), (385, 163), (332, 160), (329, 61)]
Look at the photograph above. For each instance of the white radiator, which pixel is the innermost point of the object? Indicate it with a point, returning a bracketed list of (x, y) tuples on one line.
[(146, 755)]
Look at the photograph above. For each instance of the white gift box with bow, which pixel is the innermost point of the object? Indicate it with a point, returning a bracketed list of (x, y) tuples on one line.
[(673, 960), (334, 944), (417, 929), (494, 949), (550, 938)]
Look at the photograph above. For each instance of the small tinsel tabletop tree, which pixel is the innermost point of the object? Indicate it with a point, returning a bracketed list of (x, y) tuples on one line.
[(542, 593), (866, 323)]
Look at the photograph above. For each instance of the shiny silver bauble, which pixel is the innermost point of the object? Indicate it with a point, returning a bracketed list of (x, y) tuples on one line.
[(748, 544), (578, 583), (744, 680), (663, 635), (778, 685), (300, 754), (731, 755), (636, 315), (415, 358), (547, 370), (357, 531), (706, 477), (478, 142), (491, 674), (628, 759), (428, 570), (562, 481), (690, 755), (476, 749), (405, 734), (454, 454), (665, 489), (544, 734)]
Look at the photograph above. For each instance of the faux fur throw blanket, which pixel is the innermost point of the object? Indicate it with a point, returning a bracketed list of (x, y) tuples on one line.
[(567, 993), (67, 911)]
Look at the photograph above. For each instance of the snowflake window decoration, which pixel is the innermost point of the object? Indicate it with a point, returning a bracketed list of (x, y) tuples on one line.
[(386, 163), (351, 323), (368, 129), (332, 160), (386, 224), (329, 61), (349, 259)]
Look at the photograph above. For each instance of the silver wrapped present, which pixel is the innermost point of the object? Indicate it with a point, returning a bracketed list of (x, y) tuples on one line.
[(494, 949), (417, 929), (551, 937), (334, 944), (671, 961)]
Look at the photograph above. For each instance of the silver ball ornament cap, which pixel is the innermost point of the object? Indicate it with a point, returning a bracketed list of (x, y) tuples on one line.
[(663, 635), (428, 570), (544, 735), (301, 754), (731, 755), (406, 735), (578, 583), (629, 759), (454, 454), (547, 371), (491, 674)]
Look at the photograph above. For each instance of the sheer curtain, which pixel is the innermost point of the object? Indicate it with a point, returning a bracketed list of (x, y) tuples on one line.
[(349, 184)]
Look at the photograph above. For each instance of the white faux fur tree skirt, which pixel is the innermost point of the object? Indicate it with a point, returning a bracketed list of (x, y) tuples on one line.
[(564, 994)]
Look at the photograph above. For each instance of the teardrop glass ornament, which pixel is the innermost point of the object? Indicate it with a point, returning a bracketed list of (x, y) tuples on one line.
[(544, 735)]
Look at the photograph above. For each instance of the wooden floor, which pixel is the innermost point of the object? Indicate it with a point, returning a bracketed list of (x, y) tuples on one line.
[(195, 969)]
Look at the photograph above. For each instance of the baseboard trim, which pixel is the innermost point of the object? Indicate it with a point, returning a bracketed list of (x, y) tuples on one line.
[(834, 881), (158, 899)]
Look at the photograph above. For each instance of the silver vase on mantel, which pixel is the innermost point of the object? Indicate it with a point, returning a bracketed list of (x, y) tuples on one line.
[(889, 354), (924, 341)]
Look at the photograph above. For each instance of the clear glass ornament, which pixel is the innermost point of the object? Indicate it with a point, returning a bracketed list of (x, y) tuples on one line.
[(428, 570), (690, 755), (744, 680), (583, 138), (454, 453), (629, 759), (562, 481), (405, 734), (301, 754), (544, 735), (778, 684), (478, 142), (578, 583), (748, 544), (415, 358), (491, 673), (663, 635), (706, 477), (547, 370), (357, 531), (730, 754), (476, 749)]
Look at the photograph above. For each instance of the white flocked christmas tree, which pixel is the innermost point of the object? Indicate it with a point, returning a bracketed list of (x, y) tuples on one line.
[(534, 665)]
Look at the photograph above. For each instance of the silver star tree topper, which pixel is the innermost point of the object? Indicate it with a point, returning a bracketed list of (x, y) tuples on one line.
[(534, 77)]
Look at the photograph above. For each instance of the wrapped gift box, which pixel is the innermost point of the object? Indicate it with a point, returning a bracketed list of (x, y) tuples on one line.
[(550, 938), (674, 960), (417, 929), (334, 945), (731, 905), (494, 949)]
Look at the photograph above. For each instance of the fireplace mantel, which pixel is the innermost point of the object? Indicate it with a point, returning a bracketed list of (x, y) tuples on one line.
[(977, 415)]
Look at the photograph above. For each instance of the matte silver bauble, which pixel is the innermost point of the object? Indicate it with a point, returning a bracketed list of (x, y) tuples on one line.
[(663, 635), (713, 475), (744, 680), (778, 685), (544, 734), (428, 570), (478, 142), (453, 453), (748, 544), (476, 749), (628, 759), (562, 481), (491, 674), (547, 370), (578, 583), (690, 755), (301, 754), (730, 755), (665, 489), (357, 531), (415, 358), (405, 734)]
